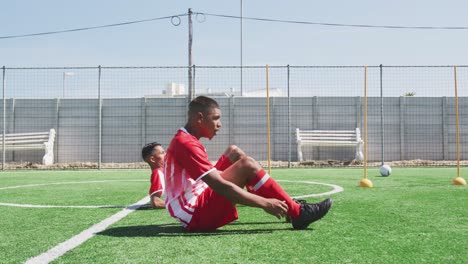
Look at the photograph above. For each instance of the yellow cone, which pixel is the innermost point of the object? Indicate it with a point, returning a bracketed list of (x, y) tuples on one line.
[(459, 181), (366, 183)]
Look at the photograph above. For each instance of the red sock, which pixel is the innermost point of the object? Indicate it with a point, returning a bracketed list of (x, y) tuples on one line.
[(263, 185), (223, 163)]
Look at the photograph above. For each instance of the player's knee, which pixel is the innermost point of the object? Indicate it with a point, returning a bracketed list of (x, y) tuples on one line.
[(232, 149), (249, 163), (235, 153)]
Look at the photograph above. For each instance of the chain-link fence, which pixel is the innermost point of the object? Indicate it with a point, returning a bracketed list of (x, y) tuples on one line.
[(104, 115)]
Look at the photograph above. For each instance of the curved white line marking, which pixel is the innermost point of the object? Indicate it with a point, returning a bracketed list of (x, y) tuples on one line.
[(336, 189), (82, 237), (64, 206), (79, 239), (61, 183)]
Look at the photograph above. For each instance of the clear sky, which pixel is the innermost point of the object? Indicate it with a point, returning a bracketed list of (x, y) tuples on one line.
[(216, 40)]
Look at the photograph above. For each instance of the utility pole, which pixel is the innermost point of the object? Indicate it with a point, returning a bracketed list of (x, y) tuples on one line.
[(191, 94), (241, 55)]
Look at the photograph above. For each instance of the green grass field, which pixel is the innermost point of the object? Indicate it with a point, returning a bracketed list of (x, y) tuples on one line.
[(413, 216)]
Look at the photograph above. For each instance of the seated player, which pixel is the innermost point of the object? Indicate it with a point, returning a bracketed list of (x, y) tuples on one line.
[(153, 154), (202, 197)]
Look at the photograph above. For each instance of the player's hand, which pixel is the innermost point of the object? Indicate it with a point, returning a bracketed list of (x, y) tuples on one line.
[(276, 207)]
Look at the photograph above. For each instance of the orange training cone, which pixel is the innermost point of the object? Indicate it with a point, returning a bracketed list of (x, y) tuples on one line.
[(459, 181), (366, 183)]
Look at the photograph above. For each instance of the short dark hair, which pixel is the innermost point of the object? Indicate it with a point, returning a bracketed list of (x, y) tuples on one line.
[(148, 149), (202, 104)]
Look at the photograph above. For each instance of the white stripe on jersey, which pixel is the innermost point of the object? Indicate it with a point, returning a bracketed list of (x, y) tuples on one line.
[(182, 191), (181, 207), (171, 175), (204, 174), (162, 180), (179, 213), (199, 188)]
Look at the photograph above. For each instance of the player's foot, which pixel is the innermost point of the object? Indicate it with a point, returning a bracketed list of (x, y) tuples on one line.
[(311, 213), (287, 217)]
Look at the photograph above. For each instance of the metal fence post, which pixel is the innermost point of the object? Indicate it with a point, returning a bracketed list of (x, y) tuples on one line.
[(315, 125), (100, 119), (4, 119), (382, 137), (402, 127), (143, 122), (289, 120), (57, 130), (231, 119), (445, 129)]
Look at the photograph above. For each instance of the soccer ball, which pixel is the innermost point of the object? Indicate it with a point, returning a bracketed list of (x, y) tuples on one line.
[(385, 170)]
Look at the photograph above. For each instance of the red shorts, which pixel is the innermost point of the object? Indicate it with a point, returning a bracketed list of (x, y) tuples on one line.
[(213, 211)]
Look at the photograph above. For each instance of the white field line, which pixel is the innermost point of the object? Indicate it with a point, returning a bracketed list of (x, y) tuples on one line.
[(77, 240), (61, 183), (336, 189), (61, 206)]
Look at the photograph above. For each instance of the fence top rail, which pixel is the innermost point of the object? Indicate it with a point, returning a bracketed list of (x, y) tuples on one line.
[(329, 142), (25, 146), (304, 131), (95, 67), (337, 138), (230, 67), (25, 141), (25, 134), (35, 137)]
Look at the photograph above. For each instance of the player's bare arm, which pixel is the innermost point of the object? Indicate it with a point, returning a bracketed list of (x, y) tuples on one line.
[(237, 195), (156, 201)]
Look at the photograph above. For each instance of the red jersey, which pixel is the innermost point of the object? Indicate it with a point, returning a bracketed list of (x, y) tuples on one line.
[(185, 164), (157, 182)]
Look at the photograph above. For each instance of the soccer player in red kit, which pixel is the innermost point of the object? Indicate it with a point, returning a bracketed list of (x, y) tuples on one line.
[(202, 197), (153, 154)]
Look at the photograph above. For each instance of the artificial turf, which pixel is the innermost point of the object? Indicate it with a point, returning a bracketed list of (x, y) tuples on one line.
[(413, 216)]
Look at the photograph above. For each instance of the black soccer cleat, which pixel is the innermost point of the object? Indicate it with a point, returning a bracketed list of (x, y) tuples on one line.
[(288, 219), (311, 213)]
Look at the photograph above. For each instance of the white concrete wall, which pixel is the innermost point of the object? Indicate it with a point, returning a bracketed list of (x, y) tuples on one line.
[(415, 127)]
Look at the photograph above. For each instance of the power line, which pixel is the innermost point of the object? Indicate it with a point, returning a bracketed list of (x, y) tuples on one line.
[(90, 28), (337, 24), (177, 17)]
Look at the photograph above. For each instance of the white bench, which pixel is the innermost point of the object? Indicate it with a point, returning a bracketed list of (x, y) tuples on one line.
[(27, 141), (329, 138)]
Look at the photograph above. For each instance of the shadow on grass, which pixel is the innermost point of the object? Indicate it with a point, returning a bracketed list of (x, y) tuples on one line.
[(171, 230), (255, 223)]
